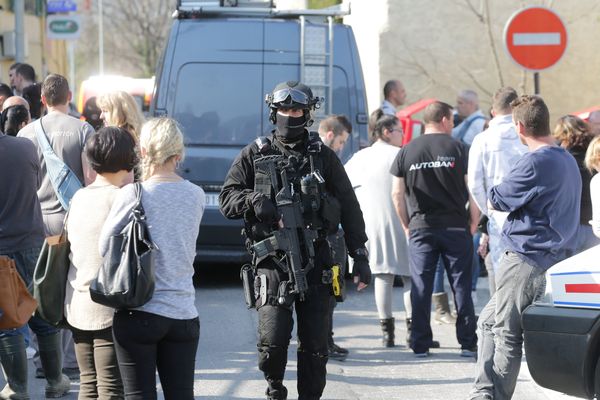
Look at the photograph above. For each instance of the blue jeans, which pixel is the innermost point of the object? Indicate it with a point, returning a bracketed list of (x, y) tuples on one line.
[(438, 282), (500, 330), (455, 247), (25, 261)]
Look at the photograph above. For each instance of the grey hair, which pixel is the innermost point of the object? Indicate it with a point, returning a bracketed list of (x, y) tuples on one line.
[(469, 95)]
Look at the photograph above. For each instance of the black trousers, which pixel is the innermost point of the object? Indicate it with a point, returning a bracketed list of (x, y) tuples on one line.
[(146, 342), (275, 323)]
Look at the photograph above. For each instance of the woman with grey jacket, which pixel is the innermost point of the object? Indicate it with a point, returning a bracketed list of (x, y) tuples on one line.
[(163, 333)]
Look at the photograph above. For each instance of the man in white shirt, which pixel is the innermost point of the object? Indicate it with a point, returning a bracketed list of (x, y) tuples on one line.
[(394, 96), (491, 157), (473, 120)]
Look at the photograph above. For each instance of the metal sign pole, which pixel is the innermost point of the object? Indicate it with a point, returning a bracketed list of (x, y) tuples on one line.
[(71, 53), (19, 9), (100, 39), (536, 83)]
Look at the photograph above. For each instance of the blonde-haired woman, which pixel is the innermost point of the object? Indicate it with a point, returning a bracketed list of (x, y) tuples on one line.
[(121, 110), (592, 162), (163, 333)]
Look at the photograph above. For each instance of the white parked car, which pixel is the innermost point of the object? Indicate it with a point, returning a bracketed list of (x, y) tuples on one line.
[(562, 329)]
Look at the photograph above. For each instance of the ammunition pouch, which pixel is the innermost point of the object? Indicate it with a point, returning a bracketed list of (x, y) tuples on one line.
[(266, 247), (262, 183)]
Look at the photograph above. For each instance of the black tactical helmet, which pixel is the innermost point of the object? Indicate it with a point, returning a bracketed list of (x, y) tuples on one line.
[(291, 94)]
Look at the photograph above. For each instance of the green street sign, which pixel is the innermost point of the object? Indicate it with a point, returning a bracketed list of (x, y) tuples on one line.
[(63, 27)]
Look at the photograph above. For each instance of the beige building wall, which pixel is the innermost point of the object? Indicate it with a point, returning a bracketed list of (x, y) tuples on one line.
[(438, 47), (42, 54)]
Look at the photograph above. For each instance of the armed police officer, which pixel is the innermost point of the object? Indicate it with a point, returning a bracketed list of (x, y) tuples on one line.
[(292, 191)]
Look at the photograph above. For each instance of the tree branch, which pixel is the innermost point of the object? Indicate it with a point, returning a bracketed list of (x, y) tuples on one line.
[(490, 36), (476, 82)]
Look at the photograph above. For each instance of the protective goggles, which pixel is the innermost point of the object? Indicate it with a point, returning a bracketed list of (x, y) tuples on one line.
[(295, 96)]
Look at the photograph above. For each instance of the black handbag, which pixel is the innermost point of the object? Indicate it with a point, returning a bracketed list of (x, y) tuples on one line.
[(50, 278), (126, 277)]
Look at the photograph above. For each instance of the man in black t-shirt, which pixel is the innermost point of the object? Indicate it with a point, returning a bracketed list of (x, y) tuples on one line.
[(430, 193)]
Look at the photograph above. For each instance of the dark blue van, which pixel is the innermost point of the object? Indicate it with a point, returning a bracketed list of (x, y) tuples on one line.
[(218, 64)]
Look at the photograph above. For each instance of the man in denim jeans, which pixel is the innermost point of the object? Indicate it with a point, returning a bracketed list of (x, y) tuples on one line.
[(21, 236), (542, 196)]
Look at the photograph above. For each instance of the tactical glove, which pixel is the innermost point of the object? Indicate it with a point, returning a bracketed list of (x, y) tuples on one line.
[(264, 209), (361, 268)]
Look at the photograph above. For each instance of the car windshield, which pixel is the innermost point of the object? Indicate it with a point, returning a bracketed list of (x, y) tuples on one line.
[(219, 104)]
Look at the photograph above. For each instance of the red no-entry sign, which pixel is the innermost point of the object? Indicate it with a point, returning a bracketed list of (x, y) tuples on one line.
[(535, 38)]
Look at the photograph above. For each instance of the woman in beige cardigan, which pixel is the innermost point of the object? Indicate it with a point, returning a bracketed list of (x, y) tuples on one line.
[(111, 153)]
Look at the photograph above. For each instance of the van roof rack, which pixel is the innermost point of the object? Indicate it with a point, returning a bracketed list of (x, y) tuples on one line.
[(250, 8)]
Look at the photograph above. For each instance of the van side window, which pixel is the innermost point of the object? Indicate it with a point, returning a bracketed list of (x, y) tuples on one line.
[(219, 103)]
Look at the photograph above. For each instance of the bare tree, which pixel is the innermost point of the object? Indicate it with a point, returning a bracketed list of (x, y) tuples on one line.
[(137, 31), (134, 36), (483, 16)]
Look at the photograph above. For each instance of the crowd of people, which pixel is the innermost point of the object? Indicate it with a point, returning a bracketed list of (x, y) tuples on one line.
[(468, 196), (473, 189), (114, 355)]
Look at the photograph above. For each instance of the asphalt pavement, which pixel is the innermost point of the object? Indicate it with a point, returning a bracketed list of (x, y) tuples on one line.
[(226, 358)]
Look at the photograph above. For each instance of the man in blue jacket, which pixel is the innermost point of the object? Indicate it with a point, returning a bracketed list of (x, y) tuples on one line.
[(542, 196)]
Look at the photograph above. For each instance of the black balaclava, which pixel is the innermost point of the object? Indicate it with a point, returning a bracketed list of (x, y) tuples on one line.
[(290, 129)]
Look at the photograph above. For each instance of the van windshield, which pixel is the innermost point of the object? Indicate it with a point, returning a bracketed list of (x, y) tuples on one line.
[(219, 104)]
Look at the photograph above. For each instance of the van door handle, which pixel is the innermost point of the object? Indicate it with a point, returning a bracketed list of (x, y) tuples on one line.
[(362, 118)]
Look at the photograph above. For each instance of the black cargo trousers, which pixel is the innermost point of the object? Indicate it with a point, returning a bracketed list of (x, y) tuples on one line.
[(275, 323)]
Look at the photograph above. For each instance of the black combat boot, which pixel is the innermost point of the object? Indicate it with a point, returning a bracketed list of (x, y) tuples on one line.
[(387, 326), (276, 391)]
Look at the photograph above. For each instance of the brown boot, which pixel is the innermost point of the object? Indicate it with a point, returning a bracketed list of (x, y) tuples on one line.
[(442, 309)]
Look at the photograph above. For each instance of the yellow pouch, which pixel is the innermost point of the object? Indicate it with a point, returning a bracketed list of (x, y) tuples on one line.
[(338, 283)]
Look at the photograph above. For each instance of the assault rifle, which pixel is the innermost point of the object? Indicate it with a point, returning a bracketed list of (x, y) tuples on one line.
[(293, 238)]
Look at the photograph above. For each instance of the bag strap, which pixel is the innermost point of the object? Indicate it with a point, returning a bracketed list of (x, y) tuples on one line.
[(139, 216), (54, 167), (465, 128), (138, 208), (63, 231), (42, 138)]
